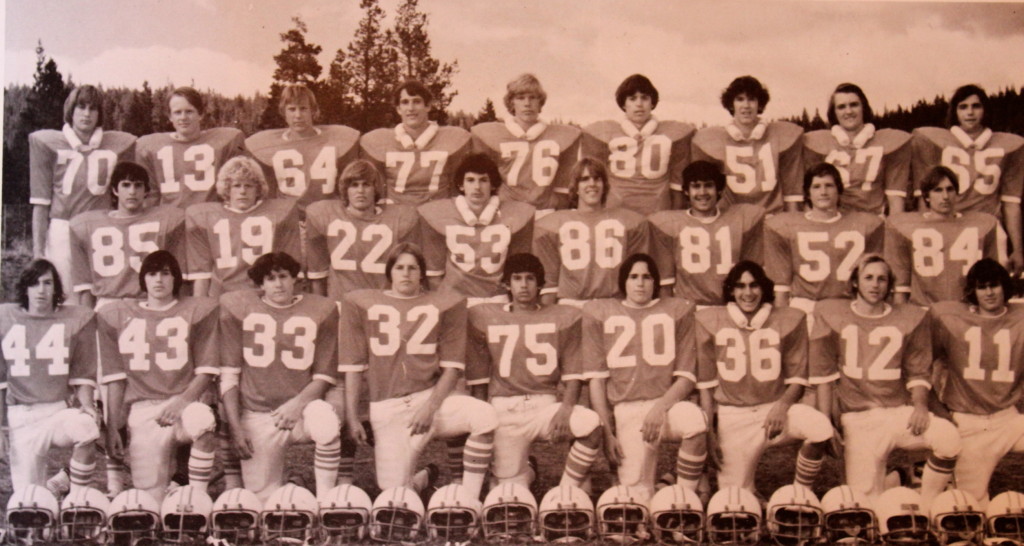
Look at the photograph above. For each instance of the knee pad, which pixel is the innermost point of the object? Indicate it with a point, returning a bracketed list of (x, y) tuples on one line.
[(81, 427), (687, 418), (945, 438), (583, 421), (197, 419), (321, 423)]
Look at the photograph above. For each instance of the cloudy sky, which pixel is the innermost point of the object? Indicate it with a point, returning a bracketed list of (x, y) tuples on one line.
[(580, 49)]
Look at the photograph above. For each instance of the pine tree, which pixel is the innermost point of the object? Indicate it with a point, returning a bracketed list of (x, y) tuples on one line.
[(487, 113), (296, 63), (416, 61), (371, 67)]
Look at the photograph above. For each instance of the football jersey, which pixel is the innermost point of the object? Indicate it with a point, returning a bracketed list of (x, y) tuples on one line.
[(582, 250), (535, 163), (304, 170), (762, 170), (751, 362), (643, 164), (43, 356), (351, 251), (523, 352), (278, 350), (930, 255), (813, 259), (695, 254), (983, 357), (470, 251), (108, 250), (420, 170), (402, 343), (876, 359), (185, 172), (989, 169), (70, 176), (222, 242), (640, 351), (873, 164), (158, 351)]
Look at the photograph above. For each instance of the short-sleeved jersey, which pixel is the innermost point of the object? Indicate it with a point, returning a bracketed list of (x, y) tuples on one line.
[(982, 357), (812, 259), (158, 351), (582, 250), (639, 350), (751, 362), (277, 350), (762, 170), (930, 254), (185, 172), (420, 170), (989, 168), (873, 164), (534, 163), (643, 164), (107, 250), (523, 352), (876, 359), (222, 242), (695, 254), (43, 356), (304, 170), (71, 176), (470, 251), (402, 343), (350, 251)]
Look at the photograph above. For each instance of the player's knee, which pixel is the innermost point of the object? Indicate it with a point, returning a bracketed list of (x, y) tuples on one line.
[(944, 437), (816, 427), (197, 419), (687, 420), (81, 427), (584, 422), (321, 422), (483, 419)]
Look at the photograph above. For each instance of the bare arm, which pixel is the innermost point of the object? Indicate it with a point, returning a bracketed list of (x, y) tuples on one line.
[(40, 229), (1012, 218)]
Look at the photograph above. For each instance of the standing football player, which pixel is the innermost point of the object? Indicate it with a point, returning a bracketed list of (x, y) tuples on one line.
[(874, 164), (879, 357), (989, 166), (752, 368), (48, 349), (279, 354), (638, 353), (159, 356), (583, 247), (534, 157), (932, 250), (518, 353), (418, 156), (645, 156), (410, 344), (762, 161), (696, 248), (979, 349), (467, 238), (69, 171), (184, 162)]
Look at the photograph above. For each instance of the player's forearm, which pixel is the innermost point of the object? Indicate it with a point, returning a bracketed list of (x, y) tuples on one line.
[(445, 385), (571, 395), (824, 398), (197, 387), (86, 396), (318, 286), (919, 396), (678, 200), (314, 390), (680, 388), (707, 403), (896, 203), (1012, 217), (479, 392), (900, 297), (201, 288), (233, 408), (792, 394), (40, 228), (782, 298), (86, 299), (353, 385), (115, 405), (549, 299), (599, 403), (792, 206)]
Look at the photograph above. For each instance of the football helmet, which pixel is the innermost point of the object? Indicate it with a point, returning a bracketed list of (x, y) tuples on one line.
[(453, 514), (32, 515), (235, 517), (622, 515), (397, 516), (677, 516), (510, 511), (901, 519), (1004, 517), (289, 516), (344, 514), (133, 518), (185, 515), (734, 517), (849, 517), (794, 516), (566, 515), (83, 517), (957, 518)]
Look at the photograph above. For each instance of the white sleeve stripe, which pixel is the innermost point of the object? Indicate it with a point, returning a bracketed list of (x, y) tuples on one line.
[(316, 275), (112, 377), (453, 364), (919, 383), (793, 199), (327, 378), (896, 193), (675, 187), (39, 201), (903, 289), (572, 377), (703, 385), (434, 273), (796, 381), (352, 368), (82, 381), (483, 381), (551, 290), (562, 190), (687, 375), (198, 276), (668, 282), (823, 380), (209, 370), (597, 375), (82, 287), (782, 288), (1011, 199)]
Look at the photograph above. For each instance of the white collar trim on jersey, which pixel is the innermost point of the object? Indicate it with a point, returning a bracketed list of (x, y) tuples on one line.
[(831, 220), (76, 143), (888, 309), (705, 219), (740, 318), (287, 134), (529, 134), (145, 305), (486, 216), (971, 143), (295, 299), (737, 134), (240, 211), (639, 134), (631, 305), (858, 142), (403, 138)]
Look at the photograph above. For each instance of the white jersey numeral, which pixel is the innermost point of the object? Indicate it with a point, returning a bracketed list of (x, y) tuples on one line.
[(265, 333), (891, 340), (378, 235), (654, 327), (574, 244), (51, 346), (869, 156), (405, 161), (496, 237), (984, 163), (761, 359), (695, 250), (544, 359), (389, 321), (543, 161), (653, 159), (133, 342), (974, 372), (97, 172), (108, 247), (815, 265), (291, 178), (257, 237), (741, 164), (929, 260), (204, 169)]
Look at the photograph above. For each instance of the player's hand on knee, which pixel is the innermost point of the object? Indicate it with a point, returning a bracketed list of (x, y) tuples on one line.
[(558, 429), (115, 444), (243, 446), (288, 414), (612, 448), (653, 424), (918, 422), (356, 432), (775, 422), (422, 420), (172, 411)]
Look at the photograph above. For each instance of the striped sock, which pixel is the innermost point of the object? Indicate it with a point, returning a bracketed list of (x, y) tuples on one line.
[(326, 458), (807, 469), (229, 461), (347, 463), (577, 464), (689, 468), (477, 459), (456, 449), (81, 474), (200, 467)]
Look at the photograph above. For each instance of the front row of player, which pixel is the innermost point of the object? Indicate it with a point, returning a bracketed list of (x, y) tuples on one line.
[(623, 515)]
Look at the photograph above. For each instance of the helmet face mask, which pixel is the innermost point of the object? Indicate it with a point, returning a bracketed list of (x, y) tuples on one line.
[(451, 524), (344, 525), (907, 529), (130, 526), (1009, 526), (180, 528), (734, 528), (623, 523), (509, 520), (850, 526), (394, 524), (289, 525), (567, 525), (678, 527), (82, 525), (239, 527), (795, 525), (30, 525), (956, 527)]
